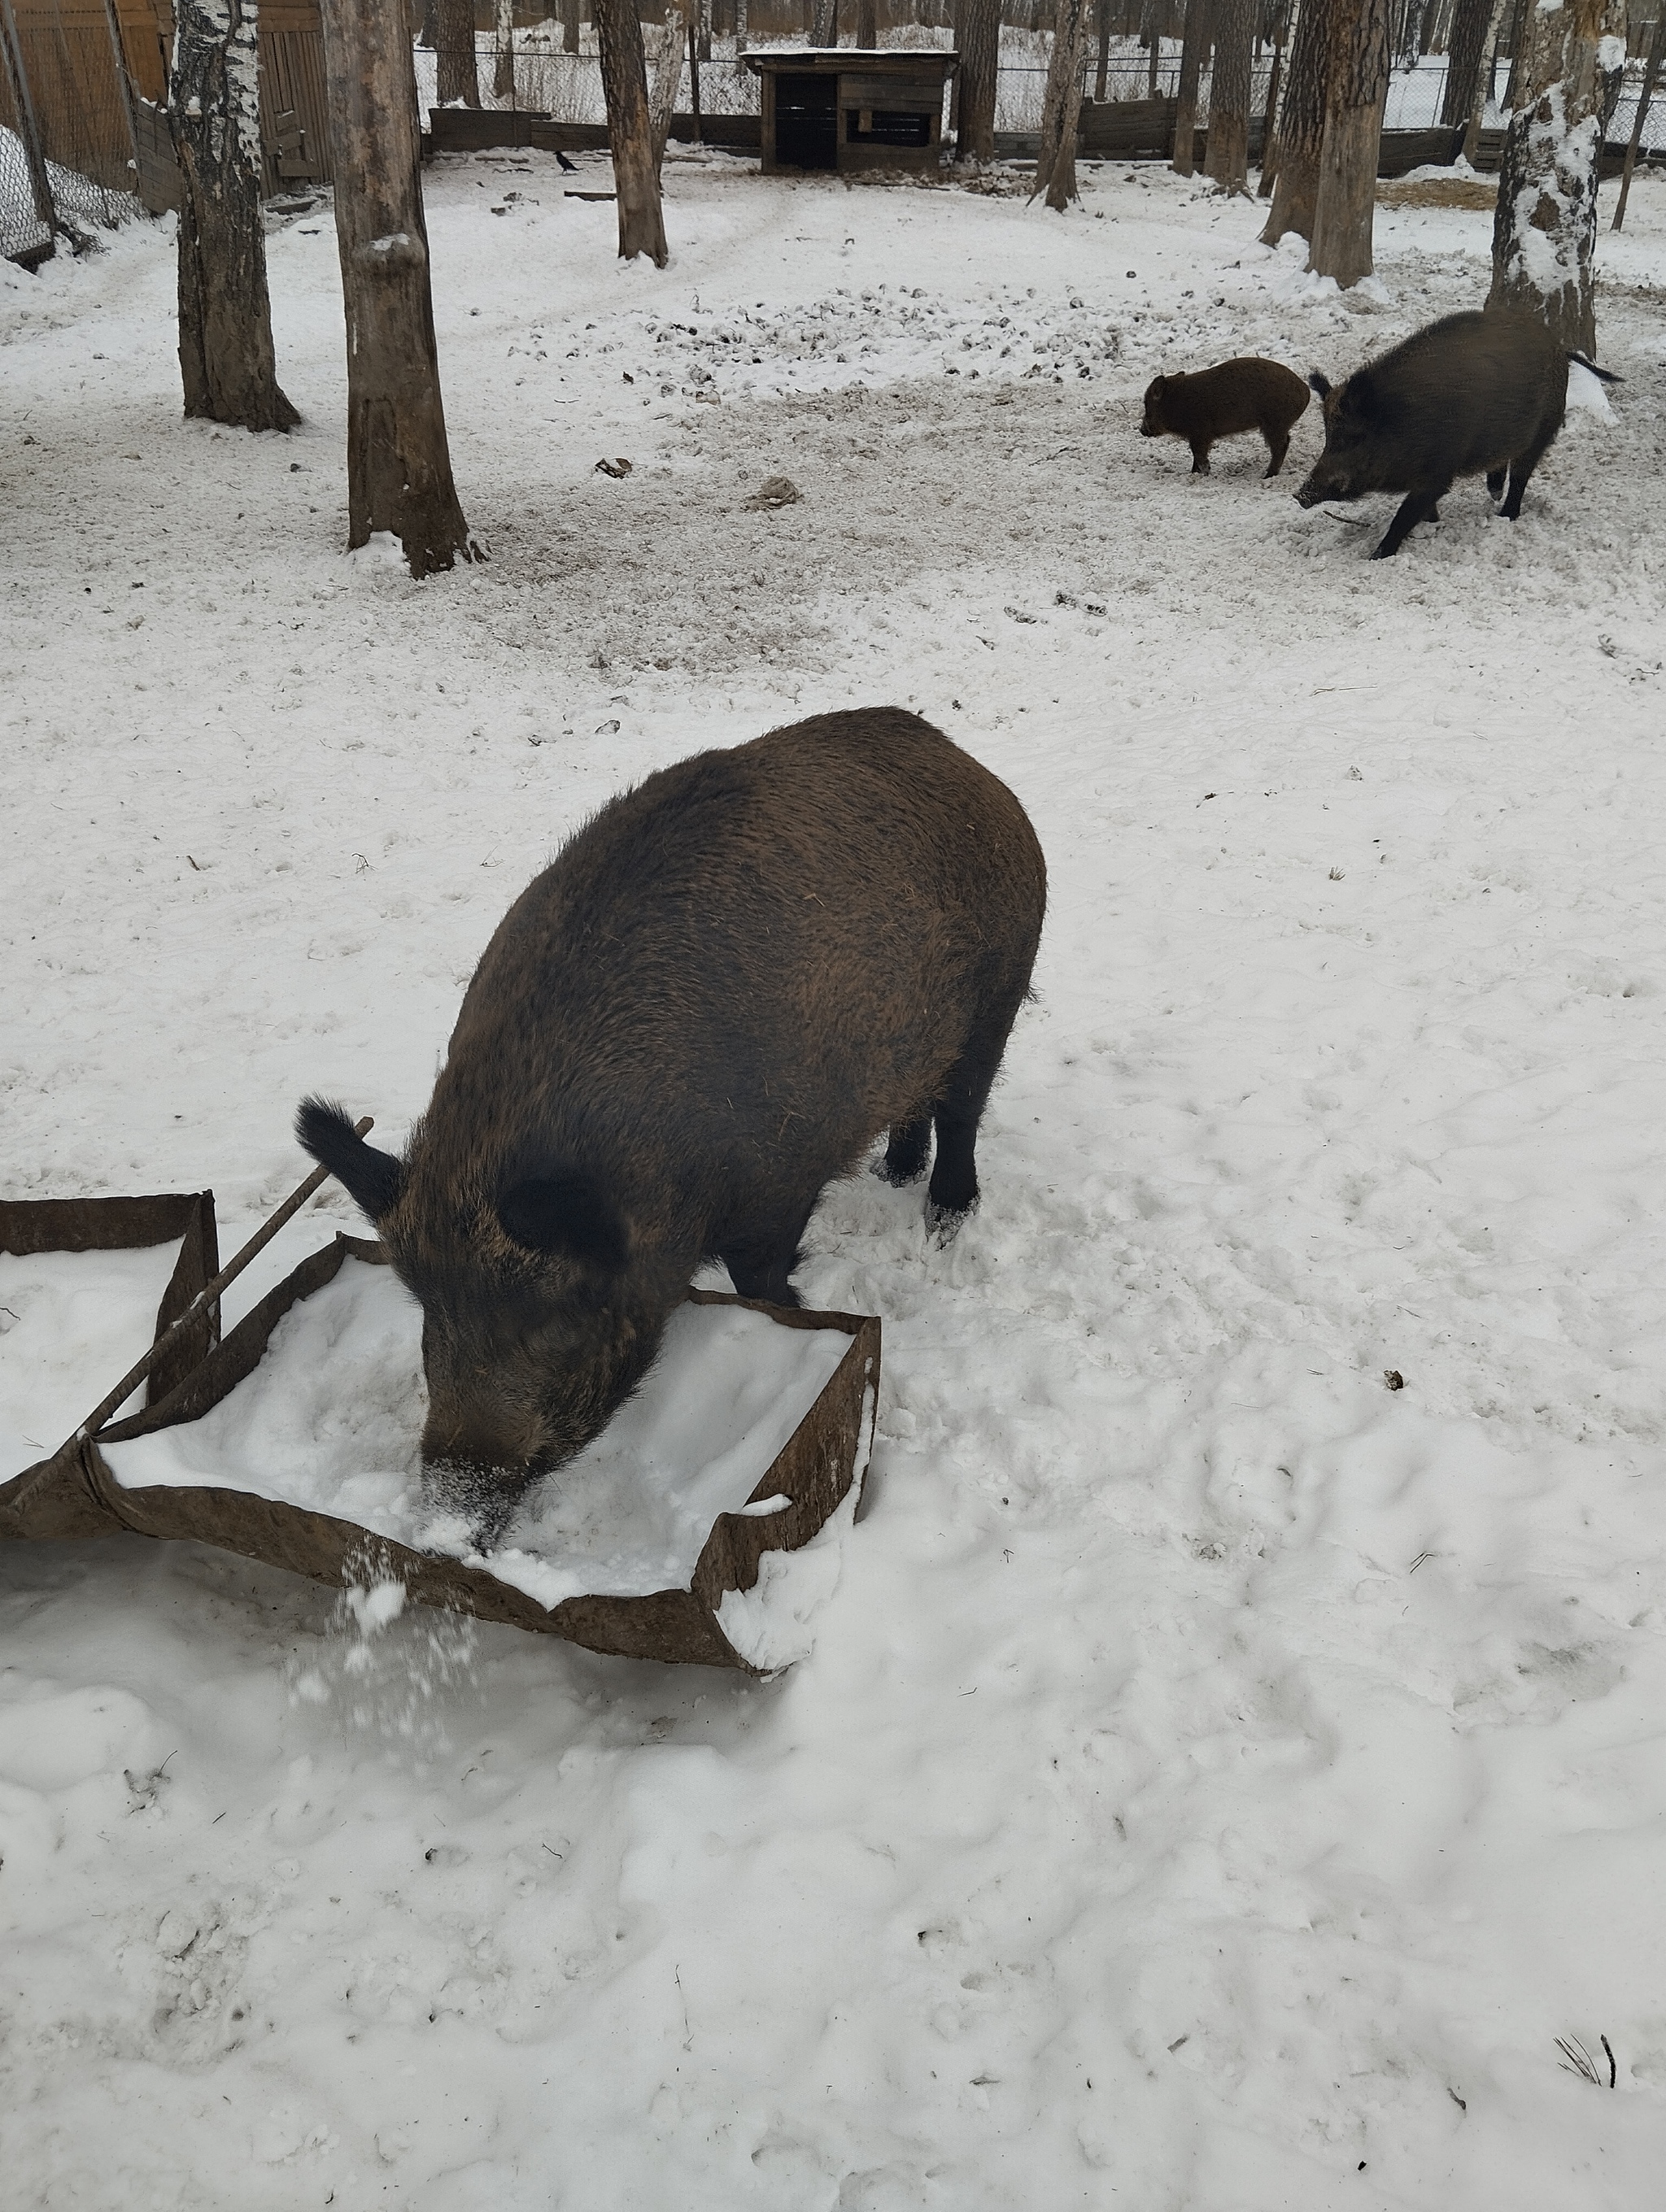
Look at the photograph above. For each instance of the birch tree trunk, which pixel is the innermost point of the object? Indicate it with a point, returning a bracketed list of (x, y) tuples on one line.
[(1270, 137), (503, 73), (824, 23), (667, 77), (1346, 202), (1301, 125), (1061, 107), (980, 54), (227, 361), (1544, 235), (630, 133), (455, 75), (1227, 156), (399, 465), (1193, 51)]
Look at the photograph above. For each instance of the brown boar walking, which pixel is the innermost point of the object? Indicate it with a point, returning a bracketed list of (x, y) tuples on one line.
[(1478, 393), (1247, 394), (728, 983)]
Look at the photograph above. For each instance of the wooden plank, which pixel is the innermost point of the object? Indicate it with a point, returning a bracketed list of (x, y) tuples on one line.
[(894, 94)]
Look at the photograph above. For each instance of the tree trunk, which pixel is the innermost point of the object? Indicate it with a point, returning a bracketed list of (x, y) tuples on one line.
[(503, 75), (1656, 54), (426, 35), (1485, 77), (456, 76), (667, 78), (1227, 155), (1517, 44), (824, 23), (1301, 125), (569, 27), (867, 24), (1193, 51), (398, 466), (1061, 107), (226, 355), (1102, 72), (980, 51), (1269, 136), (1469, 28), (1347, 198), (740, 29), (630, 133), (1544, 235)]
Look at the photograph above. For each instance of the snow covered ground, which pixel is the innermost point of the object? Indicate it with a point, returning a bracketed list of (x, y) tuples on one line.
[(1221, 1778)]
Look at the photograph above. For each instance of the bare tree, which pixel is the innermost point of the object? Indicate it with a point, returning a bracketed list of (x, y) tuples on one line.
[(740, 28), (1470, 19), (1544, 235), (1282, 15), (980, 53), (667, 78), (1226, 158), (1194, 52), (569, 27), (227, 359), (1650, 74), (1346, 203), (1301, 125), (630, 132), (1482, 91), (824, 23), (867, 24), (1061, 107), (455, 75), (399, 465), (503, 73)]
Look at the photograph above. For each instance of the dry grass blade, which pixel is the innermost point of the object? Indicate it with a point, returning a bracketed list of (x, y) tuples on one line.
[(1576, 2059)]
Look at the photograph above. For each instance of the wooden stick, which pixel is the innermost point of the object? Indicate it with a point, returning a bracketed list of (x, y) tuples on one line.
[(233, 1268)]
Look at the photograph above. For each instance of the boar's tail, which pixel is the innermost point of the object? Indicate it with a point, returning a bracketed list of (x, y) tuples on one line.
[(1585, 362), (373, 1180)]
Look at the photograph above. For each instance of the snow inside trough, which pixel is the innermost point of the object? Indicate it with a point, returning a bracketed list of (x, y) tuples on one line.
[(1220, 1778), (332, 1420)]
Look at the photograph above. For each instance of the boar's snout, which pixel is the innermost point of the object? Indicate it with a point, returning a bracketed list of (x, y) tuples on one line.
[(1323, 484)]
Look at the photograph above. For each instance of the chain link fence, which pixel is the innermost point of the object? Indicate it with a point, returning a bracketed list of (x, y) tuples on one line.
[(68, 158)]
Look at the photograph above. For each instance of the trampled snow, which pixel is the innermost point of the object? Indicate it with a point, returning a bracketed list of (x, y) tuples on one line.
[(1220, 1777), (332, 1420)]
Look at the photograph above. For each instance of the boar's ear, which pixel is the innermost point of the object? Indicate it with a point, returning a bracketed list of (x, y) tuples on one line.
[(1320, 382), (566, 1216), (373, 1180)]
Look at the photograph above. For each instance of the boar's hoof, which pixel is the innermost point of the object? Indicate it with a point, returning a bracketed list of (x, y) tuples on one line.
[(945, 1223)]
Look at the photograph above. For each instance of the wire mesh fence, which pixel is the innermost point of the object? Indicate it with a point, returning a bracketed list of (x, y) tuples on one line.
[(67, 155)]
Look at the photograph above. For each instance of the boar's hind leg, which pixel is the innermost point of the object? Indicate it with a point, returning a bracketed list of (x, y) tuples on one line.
[(1416, 507), (905, 1151), (1278, 445), (1521, 468), (951, 1193)]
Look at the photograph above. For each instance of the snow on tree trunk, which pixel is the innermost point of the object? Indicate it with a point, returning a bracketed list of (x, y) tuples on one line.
[(399, 465), (1194, 49), (630, 132), (1346, 201), (1227, 157), (979, 37), (455, 74), (503, 75), (227, 361), (1061, 107), (1301, 125), (1544, 235)]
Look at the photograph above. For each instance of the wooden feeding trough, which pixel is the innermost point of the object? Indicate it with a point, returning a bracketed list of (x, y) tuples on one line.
[(137, 1473), (849, 108)]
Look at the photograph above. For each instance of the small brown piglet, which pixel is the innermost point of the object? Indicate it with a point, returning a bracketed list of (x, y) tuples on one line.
[(1242, 395)]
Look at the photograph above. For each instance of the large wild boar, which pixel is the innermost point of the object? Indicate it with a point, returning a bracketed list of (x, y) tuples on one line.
[(728, 983), (1245, 394), (1473, 393)]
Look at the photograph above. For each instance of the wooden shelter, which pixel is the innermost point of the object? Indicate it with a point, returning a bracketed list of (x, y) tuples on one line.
[(850, 108)]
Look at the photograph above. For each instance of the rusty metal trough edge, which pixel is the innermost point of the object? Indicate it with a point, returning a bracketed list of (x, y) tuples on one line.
[(73, 1494)]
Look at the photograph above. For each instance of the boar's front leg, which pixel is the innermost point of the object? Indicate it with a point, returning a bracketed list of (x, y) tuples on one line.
[(1278, 445), (1417, 507), (1200, 456)]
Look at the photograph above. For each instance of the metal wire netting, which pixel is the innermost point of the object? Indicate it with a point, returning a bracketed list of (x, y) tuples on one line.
[(68, 160)]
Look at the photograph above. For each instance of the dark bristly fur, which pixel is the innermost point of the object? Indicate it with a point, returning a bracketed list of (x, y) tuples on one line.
[(729, 982), (1245, 394), (1476, 394)]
